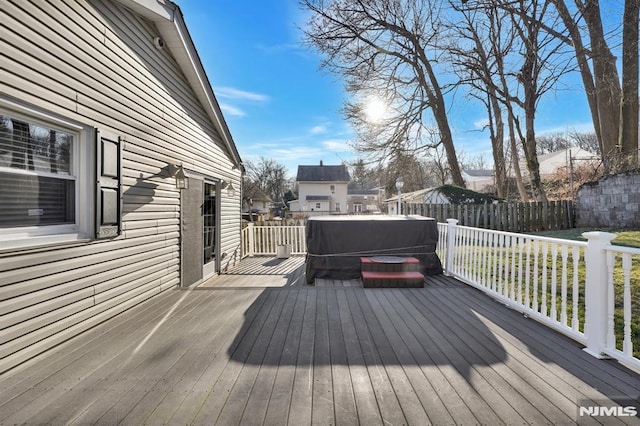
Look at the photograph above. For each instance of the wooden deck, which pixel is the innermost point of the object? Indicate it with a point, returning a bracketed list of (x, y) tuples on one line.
[(259, 346)]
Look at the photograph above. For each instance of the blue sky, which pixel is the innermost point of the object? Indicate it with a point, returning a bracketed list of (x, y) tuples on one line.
[(280, 105)]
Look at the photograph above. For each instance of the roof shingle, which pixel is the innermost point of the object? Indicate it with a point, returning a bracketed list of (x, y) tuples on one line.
[(323, 173)]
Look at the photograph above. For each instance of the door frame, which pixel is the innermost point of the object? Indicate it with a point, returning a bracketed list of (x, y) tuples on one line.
[(217, 240), (217, 262)]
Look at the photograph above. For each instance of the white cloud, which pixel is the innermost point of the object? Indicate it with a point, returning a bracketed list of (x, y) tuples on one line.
[(318, 129), (298, 153), (336, 145), (481, 124), (233, 93), (586, 127), (231, 110)]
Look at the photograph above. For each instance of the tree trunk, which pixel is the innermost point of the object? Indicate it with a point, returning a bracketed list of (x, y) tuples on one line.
[(522, 190), (607, 82), (497, 143), (629, 104), (436, 99), (530, 152), (585, 71)]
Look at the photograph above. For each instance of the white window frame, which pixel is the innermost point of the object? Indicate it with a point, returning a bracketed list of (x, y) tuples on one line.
[(81, 171)]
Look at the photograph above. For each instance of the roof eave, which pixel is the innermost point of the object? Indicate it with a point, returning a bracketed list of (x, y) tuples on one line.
[(170, 23)]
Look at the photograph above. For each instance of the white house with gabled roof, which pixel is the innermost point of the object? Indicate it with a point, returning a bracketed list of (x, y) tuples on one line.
[(322, 190)]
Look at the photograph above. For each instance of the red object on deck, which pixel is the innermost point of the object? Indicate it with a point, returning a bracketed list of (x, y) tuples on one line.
[(398, 272), (384, 275)]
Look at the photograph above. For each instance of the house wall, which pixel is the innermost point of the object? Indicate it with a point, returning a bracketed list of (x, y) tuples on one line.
[(369, 203), (339, 195), (93, 62)]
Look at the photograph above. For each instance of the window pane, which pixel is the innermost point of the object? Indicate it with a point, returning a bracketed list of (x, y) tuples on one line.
[(30, 146), (28, 200)]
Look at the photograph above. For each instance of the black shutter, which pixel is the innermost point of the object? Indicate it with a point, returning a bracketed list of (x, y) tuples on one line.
[(108, 185)]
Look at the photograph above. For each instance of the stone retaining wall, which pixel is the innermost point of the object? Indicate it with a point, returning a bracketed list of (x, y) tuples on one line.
[(613, 202)]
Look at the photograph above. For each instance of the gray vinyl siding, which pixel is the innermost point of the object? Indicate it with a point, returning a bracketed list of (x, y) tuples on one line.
[(94, 62)]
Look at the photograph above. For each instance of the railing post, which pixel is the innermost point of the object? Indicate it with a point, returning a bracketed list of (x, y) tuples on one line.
[(595, 298), (251, 234), (450, 249)]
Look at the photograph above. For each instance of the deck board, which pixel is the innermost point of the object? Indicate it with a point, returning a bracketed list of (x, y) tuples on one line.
[(270, 349)]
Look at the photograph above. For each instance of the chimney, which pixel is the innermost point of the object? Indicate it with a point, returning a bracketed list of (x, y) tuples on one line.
[(321, 163)]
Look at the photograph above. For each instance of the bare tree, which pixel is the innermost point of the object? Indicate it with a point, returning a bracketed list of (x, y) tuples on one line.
[(586, 141), (614, 108), (387, 49), (552, 142), (268, 176), (481, 45)]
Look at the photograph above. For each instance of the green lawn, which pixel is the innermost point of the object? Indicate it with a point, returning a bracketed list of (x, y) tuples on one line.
[(628, 238)]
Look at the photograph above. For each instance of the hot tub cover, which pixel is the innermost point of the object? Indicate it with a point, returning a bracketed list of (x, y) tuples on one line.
[(336, 243)]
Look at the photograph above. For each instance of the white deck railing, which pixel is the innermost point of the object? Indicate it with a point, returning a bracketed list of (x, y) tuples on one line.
[(264, 240), (581, 289), (584, 290)]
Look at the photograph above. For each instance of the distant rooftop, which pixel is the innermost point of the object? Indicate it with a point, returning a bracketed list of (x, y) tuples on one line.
[(322, 173), (479, 173)]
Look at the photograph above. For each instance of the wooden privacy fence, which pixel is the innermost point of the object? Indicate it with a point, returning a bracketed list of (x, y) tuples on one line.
[(512, 217)]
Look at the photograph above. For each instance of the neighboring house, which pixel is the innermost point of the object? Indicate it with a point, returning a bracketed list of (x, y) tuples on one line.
[(104, 108), (478, 180), (421, 196), (551, 163), (322, 190), (361, 201), (256, 202)]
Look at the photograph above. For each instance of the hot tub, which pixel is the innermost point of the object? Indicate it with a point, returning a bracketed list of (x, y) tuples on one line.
[(336, 243)]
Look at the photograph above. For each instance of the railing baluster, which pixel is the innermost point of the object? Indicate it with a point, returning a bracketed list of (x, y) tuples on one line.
[(485, 259), (563, 307), (527, 279), (576, 290), (545, 260), (554, 281), (535, 275), (495, 252), (627, 346), (611, 335), (500, 258), (512, 284), (520, 268)]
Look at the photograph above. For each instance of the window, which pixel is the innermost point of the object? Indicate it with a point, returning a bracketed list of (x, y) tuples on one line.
[(42, 159), (357, 207), (337, 207), (333, 188), (38, 181), (317, 205)]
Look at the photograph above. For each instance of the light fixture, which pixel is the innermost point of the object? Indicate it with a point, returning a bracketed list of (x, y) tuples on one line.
[(231, 191), (177, 172)]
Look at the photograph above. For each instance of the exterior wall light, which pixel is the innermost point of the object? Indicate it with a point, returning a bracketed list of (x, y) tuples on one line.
[(177, 172), (231, 191)]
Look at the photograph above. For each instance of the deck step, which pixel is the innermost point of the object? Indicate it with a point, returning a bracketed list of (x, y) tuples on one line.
[(408, 279), (407, 265)]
